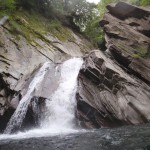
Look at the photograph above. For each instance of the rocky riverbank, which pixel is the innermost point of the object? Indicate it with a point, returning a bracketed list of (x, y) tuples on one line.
[(113, 84)]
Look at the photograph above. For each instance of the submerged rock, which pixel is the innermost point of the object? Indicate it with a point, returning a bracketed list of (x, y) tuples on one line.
[(108, 96)]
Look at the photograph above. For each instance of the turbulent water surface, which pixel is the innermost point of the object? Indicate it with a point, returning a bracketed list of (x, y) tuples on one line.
[(125, 138), (58, 130)]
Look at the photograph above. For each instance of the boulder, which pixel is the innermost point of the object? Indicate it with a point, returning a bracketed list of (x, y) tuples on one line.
[(108, 96)]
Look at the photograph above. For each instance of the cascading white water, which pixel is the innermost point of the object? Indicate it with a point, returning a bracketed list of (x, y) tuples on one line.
[(18, 116), (60, 112), (60, 106)]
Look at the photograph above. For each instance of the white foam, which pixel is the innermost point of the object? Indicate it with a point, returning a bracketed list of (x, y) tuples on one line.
[(60, 112), (60, 109), (18, 116)]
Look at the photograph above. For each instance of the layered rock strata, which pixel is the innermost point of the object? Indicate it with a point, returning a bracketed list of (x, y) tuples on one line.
[(108, 96), (127, 36), (21, 58)]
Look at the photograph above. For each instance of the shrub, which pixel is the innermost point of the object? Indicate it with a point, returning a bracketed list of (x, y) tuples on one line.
[(7, 5)]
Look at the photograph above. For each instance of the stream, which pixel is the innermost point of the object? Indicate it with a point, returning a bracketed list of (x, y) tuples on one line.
[(124, 138), (58, 130)]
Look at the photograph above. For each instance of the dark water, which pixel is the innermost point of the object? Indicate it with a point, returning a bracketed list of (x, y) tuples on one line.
[(125, 138)]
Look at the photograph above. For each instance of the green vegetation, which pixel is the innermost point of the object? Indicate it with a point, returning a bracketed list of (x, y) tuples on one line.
[(56, 28), (144, 2), (33, 25), (7, 5), (141, 51), (93, 31), (41, 16)]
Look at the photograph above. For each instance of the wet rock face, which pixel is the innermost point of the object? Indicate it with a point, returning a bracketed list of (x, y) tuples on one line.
[(38, 87), (5, 118), (32, 116), (127, 35), (20, 58), (6, 94), (109, 97)]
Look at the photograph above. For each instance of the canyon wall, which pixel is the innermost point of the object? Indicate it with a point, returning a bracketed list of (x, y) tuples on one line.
[(114, 85)]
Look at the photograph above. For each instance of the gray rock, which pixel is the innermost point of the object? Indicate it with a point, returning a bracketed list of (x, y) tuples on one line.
[(108, 96), (20, 58), (127, 35), (3, 20)]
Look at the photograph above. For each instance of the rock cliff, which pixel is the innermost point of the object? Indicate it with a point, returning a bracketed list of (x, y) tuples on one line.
[(21, 57), (108, 96), (127, 35), (114, 85)]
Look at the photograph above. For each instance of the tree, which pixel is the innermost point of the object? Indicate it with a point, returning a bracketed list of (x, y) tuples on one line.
[(27, 4), (145, 2), (81, 11), (7, 5)]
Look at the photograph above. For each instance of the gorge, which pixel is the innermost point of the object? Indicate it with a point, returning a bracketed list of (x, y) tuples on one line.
[(55, 93)]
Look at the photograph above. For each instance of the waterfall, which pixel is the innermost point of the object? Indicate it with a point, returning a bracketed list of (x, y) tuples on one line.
[(59, 116), (19, 115), (60, 108)]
